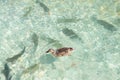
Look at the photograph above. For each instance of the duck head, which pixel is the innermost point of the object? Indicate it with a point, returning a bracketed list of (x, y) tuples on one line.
[(50, 50), (71, 49)]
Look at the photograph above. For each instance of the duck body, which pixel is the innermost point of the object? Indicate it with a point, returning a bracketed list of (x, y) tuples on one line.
[(66, 51)]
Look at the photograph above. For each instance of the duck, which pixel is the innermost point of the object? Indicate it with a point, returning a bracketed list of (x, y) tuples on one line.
[(65, 51)]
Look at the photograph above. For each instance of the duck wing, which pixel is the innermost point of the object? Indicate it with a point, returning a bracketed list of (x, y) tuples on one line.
[(62, 50)]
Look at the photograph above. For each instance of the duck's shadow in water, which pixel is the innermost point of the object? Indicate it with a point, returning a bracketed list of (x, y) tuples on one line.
[(47, 59)]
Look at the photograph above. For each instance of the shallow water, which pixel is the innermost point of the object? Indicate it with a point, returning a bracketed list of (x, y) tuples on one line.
[(91, 27)]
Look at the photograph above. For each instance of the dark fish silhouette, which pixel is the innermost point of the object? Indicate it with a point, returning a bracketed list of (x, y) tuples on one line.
[(54, 42), (35, 41), (6, 72), (104, 23), (107, 25), (67, 20), (70, 34), (45, 8), (15, 57)]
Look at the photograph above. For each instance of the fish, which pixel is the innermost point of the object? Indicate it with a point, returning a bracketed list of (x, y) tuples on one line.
[(31, 69), (107, 25), (49, 40), (70, 34), (15, 57), (67, 20), (54, 42), (35, 41), (6, 72), (45, 8)]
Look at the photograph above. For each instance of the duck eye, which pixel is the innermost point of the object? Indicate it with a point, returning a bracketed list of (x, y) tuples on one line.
[(71, 48)]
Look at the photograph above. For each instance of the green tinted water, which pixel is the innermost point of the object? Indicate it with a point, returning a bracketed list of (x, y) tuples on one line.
[(91, 27)]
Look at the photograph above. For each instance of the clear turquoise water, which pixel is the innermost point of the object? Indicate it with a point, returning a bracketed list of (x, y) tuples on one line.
[(91, 27)]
